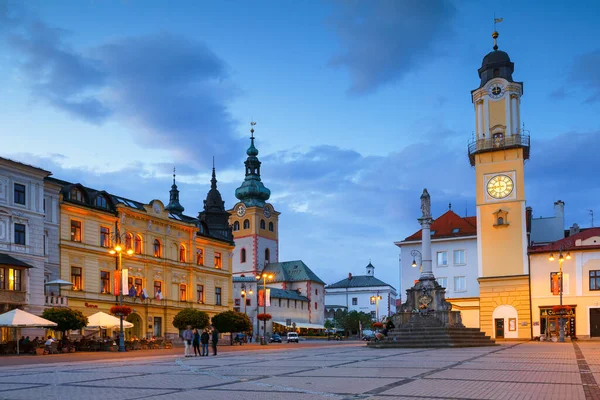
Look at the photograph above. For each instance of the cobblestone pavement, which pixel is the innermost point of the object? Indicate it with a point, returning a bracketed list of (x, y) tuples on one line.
[(531, 370)]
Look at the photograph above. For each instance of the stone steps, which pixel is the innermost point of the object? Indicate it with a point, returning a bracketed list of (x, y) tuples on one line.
[(423, 337)]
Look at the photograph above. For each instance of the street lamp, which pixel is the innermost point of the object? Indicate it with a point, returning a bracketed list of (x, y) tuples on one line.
[(118, 249), (561, 259), (264, 277), (415, 254), (376, 300), (243, 293)]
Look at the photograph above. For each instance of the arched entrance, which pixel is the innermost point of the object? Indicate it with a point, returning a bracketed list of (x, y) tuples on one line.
[(506, 323), (137, 329)]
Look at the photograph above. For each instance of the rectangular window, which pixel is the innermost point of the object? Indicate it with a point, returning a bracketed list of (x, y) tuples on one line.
[(315, 305), (104, 237), (157, 326), (288, 303), (442, 258), (279, 302), (248, 302), (182, 292), (218, 296), (20, 234), (459, 257), (460, 284), (443, 282), (2, 278), (19, 194), (104, 282), (218, 263), (595, 280), (76, 279), (355, 301), (158, 290), (14, 279), (200, 293), (76, 231), (199, 257)]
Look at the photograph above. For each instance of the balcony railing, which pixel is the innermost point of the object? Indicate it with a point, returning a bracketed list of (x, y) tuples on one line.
[(499, 143), (56, 301)]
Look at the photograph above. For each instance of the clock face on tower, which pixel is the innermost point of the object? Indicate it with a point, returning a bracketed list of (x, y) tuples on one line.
[(500, 186), (496, 91), (241, 210), (267, 212)]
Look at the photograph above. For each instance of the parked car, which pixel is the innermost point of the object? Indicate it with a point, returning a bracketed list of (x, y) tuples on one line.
[(275, 338), (368, 337), (240, 338), (292, 337)]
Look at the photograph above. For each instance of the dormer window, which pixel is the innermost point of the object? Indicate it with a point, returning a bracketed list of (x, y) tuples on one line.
[(432, 233), (76, 195), (455, 230), (101, 202)]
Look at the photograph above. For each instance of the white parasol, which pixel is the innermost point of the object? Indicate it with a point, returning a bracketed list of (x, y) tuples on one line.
[(22, 319)]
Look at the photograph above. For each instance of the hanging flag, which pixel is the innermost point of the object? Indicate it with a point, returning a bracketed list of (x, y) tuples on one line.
[(261, 298), (143, 294), (117, 283), (124, 279), (268, 297), (555, 284), (498, 20)]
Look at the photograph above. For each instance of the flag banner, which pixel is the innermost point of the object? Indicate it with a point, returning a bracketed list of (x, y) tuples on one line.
[(555, 284), (261, 298), (498, 20), (117, 283), (124, 280), (268, 298)]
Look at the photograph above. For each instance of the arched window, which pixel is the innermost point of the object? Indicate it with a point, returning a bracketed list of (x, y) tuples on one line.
[(199, 257), (101, 202), (157, 248), (243, 256), (76, 195), (500, 221), (236, 226), (246, 224), (137, 244), (267, 256), (271, 227), (262, 224), (182, 253), (128, 241)]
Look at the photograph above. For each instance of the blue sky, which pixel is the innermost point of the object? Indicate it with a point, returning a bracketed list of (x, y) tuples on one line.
[(359, 106)]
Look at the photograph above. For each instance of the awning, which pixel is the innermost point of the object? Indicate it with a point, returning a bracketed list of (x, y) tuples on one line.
[(304, 325), (5, 259)]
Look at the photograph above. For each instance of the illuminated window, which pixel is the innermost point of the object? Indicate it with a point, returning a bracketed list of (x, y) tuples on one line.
[(157, 248), (104, 237), (199, 257), (182, 292), (76, 278), (104, 282), (76, 231), (182, 253), (10, 279), (218, 261), (157, 290), (200, 293), (128, 241), (137, 244)]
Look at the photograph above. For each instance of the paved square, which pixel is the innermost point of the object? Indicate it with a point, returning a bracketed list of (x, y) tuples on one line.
[(345, 371)]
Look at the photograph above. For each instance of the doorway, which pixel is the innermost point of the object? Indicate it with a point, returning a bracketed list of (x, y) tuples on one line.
[(499, 324), (594, 322), (136, 331)]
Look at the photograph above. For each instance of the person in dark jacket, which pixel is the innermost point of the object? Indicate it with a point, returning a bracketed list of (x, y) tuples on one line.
[(215, 339), (204, 339), (196, 342)]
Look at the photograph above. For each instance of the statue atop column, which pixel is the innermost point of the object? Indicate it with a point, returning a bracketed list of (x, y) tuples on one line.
[(425, 204)]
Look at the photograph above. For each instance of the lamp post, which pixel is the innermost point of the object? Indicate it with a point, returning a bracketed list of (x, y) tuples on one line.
[(118, 249), (376, 300), (264, 277), (415, 254), (561, 259), (243, 294)]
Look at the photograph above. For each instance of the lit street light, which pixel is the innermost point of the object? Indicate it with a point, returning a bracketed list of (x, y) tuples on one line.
[(264, 277), (415, 254), (244, 293), (118, 249), (376, 300), (561, 259)]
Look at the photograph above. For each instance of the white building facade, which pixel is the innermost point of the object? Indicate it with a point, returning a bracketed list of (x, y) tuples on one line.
[(363, 293)]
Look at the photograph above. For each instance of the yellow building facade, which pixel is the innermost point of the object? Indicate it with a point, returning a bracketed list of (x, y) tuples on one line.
[(498, 153), (176, 261)]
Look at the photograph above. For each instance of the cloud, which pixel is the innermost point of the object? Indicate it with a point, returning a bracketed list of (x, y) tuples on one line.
[(585, 73), (174, 91), (385, 40)]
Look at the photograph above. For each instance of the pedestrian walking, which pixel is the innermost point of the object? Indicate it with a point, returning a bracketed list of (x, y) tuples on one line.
[(215, 339), (196, 342), (188, 336), (204, 339)]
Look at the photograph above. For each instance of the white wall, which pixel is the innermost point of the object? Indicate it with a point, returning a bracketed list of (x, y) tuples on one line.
[(341, 297)]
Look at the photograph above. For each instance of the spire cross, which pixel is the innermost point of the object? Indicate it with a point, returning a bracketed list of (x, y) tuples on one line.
[(252, 129), (173, 175)]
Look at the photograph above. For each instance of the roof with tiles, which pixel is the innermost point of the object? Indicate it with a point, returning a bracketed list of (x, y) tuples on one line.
[(449, 225), (287, 294), (357, 282), (292, 271), (586, 239)]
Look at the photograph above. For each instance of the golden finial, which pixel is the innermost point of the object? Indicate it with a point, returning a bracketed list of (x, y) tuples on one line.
[(252, 129), (495, 34)]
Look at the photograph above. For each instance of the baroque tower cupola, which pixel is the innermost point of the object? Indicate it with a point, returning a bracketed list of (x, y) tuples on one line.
[(252, 192), (214, 216), (174, 206)]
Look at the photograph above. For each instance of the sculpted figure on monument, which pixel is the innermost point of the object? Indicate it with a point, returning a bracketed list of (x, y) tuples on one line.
[(426, 204)]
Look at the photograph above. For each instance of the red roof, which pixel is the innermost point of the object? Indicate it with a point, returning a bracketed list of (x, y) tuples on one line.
[(570, 242), (449, 225)]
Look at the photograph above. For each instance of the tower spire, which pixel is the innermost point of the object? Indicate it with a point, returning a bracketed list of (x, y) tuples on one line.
[(496, 34), (252, 191), (174, 206)]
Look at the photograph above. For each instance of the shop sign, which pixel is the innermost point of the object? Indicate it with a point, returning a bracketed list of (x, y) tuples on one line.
[(90, 305)]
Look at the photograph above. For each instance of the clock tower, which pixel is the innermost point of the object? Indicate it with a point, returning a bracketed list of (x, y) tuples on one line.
[(254, 221), (498, 152)]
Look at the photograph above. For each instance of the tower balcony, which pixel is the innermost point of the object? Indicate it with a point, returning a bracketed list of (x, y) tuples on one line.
[(499, 142)]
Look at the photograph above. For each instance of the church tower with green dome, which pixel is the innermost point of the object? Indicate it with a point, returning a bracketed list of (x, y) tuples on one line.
[(253, 220)]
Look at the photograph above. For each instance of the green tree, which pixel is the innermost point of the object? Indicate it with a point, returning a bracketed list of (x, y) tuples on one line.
[(350, 321), (329, 325), (66, 319), (190, 316), (231, 321)]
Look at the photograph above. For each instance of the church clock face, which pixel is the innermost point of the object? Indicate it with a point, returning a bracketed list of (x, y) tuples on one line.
[(496, 91), (241, 210), (267, 212), (500, 186)]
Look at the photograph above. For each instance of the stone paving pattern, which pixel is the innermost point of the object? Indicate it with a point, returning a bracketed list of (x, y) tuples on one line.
[(528, 370)]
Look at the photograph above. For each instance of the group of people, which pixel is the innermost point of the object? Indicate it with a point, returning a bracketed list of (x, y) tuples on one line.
[(193, 339)]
